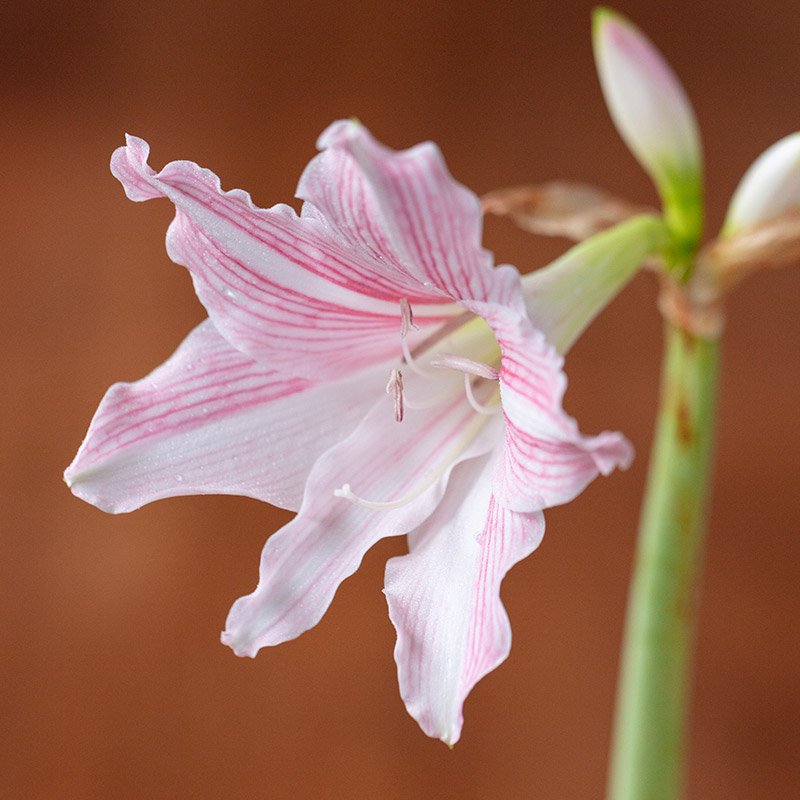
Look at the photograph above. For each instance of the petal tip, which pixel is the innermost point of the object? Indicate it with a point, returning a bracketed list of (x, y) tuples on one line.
[(229, 639), (613, 451), (129, 166), (85, 480), (80, 484), (611, 27), (451, 743), (340, 133), (449, 733), (602, 16)]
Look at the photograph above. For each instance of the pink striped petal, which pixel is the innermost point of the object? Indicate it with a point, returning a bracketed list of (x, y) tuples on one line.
[(303, 564), (769, 188), (444, 597), (403, 206), (210, 420), (283, 289), (546, 460)]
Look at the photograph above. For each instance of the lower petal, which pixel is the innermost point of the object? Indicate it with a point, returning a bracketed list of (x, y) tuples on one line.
[(303, 564), (444, 597)]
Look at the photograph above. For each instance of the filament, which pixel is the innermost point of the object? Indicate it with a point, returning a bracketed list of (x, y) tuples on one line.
[(489, 411), (412, 364)]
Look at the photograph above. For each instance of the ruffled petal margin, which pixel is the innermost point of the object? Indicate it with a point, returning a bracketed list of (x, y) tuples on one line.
[(283, 289), (444, 597), (546, 460), (402, 205)]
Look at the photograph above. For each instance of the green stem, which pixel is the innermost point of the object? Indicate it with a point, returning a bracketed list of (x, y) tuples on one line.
[(652, 703)]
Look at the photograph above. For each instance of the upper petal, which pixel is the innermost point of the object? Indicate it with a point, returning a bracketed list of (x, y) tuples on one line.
[(285, 290), (546, 460), (403, 205), (444, 597), (769, 188), (303, 564), (653, 116), (211, 420)]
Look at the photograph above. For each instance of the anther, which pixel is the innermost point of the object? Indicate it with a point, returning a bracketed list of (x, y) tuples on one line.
[(465, 365), (411, 362), (395, 388), (406, 323), (488, 411), (406, 318)]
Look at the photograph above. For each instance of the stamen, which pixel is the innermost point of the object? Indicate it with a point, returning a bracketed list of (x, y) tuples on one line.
[(406, 323), (395, 388), (465, 365), (406, 318), (470, 367), (488, 411)]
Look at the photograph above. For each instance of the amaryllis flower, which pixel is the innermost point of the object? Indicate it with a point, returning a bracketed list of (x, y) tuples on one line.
[(365, 364)]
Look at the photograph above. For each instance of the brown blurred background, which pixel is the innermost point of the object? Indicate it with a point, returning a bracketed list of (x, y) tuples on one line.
[(114, 684)]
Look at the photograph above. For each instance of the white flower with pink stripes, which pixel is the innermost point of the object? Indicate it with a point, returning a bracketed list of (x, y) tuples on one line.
[(379, 285)]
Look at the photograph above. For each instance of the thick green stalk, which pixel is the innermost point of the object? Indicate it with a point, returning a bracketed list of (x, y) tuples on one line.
[(653, 694)]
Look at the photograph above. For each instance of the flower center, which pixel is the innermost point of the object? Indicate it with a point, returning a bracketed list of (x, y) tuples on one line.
[(464, 332), (433, 362)]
